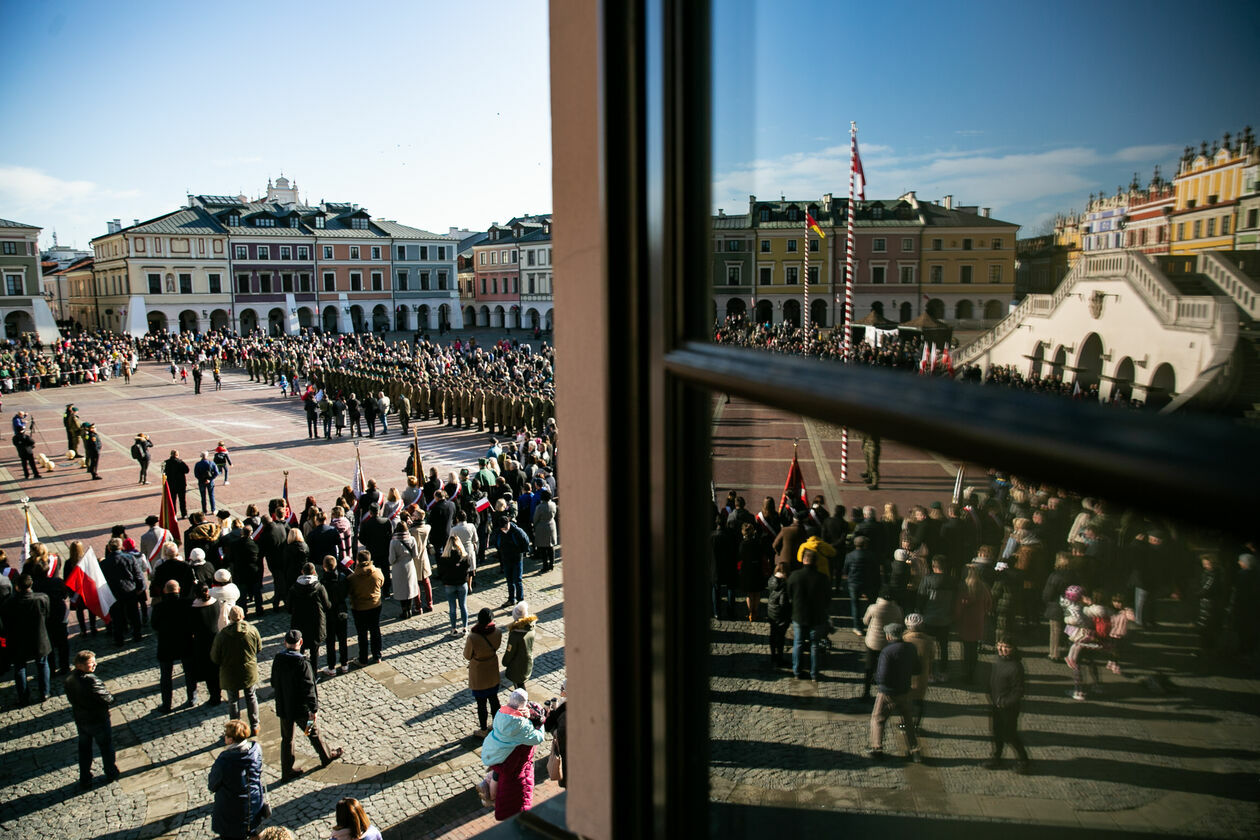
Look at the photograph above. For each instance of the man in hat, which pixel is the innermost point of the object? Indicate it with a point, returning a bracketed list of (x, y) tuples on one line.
[(73, 430), (91, 449), (25, 446), (297, 702)]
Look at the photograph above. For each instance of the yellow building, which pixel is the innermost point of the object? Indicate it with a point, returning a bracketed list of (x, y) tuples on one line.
[(1067, 235), (1207, 187)]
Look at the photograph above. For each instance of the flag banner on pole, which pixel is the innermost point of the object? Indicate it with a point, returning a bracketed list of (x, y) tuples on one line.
[(290, 516), (932, 363), (166, 516), (794, 488), (163, 537), (947, 361), (482, 504), (923, 363), (812, 224), (858, 173), (88, 581), (417, 469), (356, 481), (28, 537)]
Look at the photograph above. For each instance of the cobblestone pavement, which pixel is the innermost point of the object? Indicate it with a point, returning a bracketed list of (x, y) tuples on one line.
[(407, 724), (1182, 761)]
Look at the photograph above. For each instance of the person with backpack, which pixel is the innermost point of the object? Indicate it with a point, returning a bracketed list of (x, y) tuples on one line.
[(222, 460), (140, 452)]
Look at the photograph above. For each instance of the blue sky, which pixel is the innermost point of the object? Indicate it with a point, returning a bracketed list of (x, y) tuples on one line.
[(434, 114), (1023, 107), (438, 114)]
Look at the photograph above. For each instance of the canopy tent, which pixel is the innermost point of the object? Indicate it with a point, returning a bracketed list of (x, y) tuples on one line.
[(934, 331)]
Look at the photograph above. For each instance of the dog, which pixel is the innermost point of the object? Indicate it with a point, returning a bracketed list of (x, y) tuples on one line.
[(45, 463)]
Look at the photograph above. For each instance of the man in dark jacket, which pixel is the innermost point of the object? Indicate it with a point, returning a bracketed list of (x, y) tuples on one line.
[(512, 543), (861, 569), (241, 552), (375, 532), (787, 543), (723, 565), (172, 623), (898, 663), (25, 616), (324, 538), (937, 593), (371, 408), (206, 472), (55, 589), (176, 472), (809, 592), (90, 702), (297, 702), (25, 446), (91, 449), (124, 572), (271, 539), (333, 580), (1006, 695), (440, 518), (175, 569), (308, 608)]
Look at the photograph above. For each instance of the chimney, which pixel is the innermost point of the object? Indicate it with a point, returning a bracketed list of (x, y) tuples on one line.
[(721, 212), (135, 222), (113, 226), (827, 202), (984, 211), (948, 202)]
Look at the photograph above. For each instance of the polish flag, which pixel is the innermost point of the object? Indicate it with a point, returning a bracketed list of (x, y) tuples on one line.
[(947, 361), (88, 580), (482, 504), (932, 364), (923, 363)]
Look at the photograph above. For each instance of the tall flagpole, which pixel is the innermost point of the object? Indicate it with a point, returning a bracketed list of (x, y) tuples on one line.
[(848, 287), (805, 280)]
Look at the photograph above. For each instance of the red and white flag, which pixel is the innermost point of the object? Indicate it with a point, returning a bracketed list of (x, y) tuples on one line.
[(166, 516), (28, 537), (923, 363), (88, 580), (858, 174), (794, 487), (947, 361), (482, 504), (932, 363), (356, 480)]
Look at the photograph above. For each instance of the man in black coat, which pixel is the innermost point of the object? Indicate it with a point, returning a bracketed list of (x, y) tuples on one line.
[(174, 569), (25, 446), (440, 518), (91, 449), (55, 589), (898, 663), (375, 532), (371, 408), (25, 616), (861, 568), (809, 592), (1006, 696), (243, 556), (333, 580), (176, 472), (297, 702), (271, 540), (124, 573), (172, 623), (323, 539), (90, 701)]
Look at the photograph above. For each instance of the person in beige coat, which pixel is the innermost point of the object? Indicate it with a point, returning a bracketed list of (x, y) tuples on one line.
[(364, 587), (481, 649), (403, 559), (884, 611), (925, 645), (419, 530)]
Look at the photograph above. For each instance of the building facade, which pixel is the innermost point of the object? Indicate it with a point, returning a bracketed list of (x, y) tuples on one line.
[(1247, 235), (1146, 224), (1207, 190), (536, 278), (426, 291), (497, 271), (23, 308)]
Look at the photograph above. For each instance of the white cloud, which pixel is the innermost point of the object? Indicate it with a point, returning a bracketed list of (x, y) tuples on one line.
[(73, 206)]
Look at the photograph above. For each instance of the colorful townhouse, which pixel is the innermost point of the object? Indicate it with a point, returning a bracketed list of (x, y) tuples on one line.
[(1208, 187), (1247, 233), (732, 265), (497, 271), (23, 308), (780, 239), (425, 271), (1146, 226), (537, 302)]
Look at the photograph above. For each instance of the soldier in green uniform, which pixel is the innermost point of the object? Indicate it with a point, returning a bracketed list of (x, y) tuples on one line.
[(870, 451)]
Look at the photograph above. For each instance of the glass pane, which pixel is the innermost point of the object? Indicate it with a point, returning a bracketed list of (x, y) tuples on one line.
[(1150, 731)]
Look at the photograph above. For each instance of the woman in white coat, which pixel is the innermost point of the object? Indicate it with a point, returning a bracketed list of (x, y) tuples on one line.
[(402, 556), (545, 535), (424, 568)]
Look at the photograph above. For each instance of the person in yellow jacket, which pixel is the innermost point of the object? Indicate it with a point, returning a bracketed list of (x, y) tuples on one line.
[(823, 551)]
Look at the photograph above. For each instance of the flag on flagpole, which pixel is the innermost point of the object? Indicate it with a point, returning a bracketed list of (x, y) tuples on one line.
[(290, 516), (932, 363), (858, 173), (356, 481), (482, 504), (923, 362), (812, 224), (28, 536), (166, 516), (794, 487), (947, 361), (88, 581)]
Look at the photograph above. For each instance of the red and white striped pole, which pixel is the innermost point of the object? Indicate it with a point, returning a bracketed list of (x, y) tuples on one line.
[(848, 288), (805, 280)]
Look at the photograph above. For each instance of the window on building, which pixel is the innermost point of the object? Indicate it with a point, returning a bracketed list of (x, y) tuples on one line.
[(964, 273), (320, 222), (877, 274), (494, 285), (264, 221), (997, 244), (185, 284), (1198, 228), (995, 274), (378, 281), (763, 215), (791, 275), (813, 245), (286, 253), (494, 258), (354, 252), (330, 281), (233, 220), (13, 284), (1181, 231), (765, 246), (1253, 217), (356, 281), (1211, 227), (242, 253), (424, 254), (938, 244), (402, 252), (401, 282), (242, 284), (264, 252), (907, 245), (515, 290), (513, 258), (264, 283), (155, 284), (766, 275), (10, 248), (294, 221), (966, 244), (303, 253), (813, 275), (359, 223), (791, 246), (483, 283), (529, 258), (216, 284), (1224, 225), (734, 245), (286, 283), (304, 282), (376, 252), (424, 282), (732, 275), (328, 252), (879, 244), (441, 278), (907, 274), (483, 256)]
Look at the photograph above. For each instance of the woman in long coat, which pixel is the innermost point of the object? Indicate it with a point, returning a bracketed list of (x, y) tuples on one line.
[(402, 555), (481, 649), (545, 533)]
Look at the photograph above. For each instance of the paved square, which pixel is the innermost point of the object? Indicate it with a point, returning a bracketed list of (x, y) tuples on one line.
[(406, 724)]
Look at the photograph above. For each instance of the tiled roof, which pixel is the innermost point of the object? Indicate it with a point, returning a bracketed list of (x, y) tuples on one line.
[(730, 222), (5, 223), (279, 231), (399, 231), (189, 221), (938, 216)]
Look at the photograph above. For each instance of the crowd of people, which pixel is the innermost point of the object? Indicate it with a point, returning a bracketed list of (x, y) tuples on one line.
[(26, 365), (330, 566), (1015, 562)]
